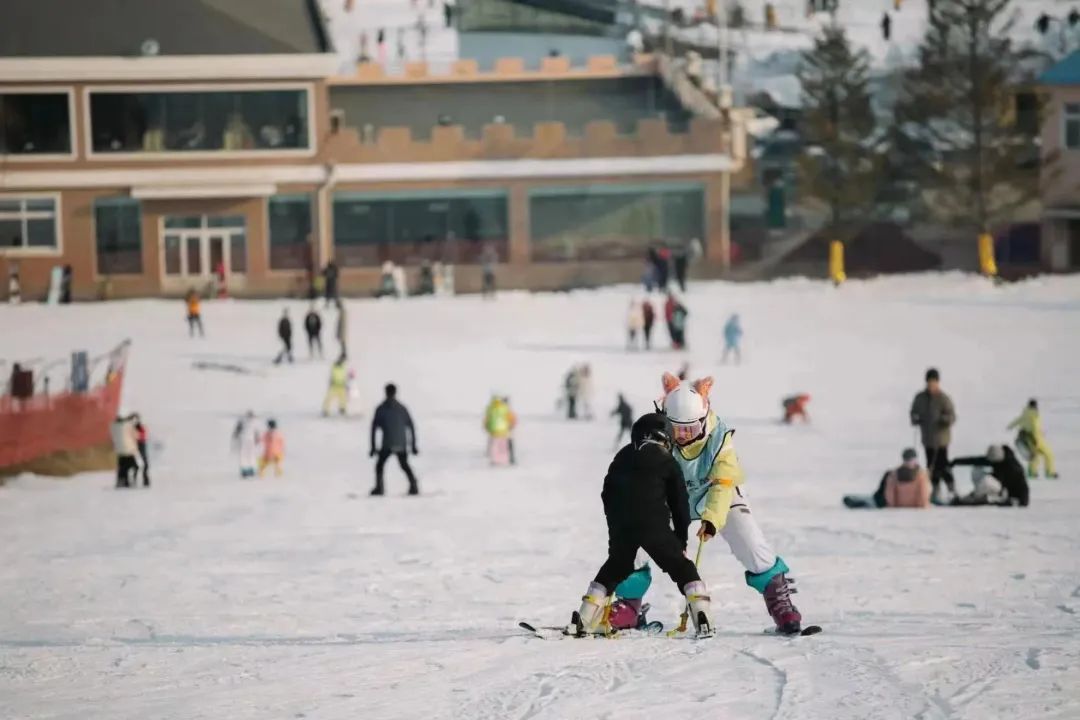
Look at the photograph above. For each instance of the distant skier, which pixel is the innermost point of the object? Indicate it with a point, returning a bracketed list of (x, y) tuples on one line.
[(125, 445), (886, 27), (635, 321), (733, 333), (313, 328), (338, 391), (681, 260), (907, 486), (488, 258), (795, 407), (330, 276), (398, 435), (194, 313), (675, 313), (499, 421), (1030, 440), (626, 418), (705, 451), (1006, 484), (273, 448), (342, 330), (141, 437), (585, 390), (570, 392), (284, 331), (245, 441), (646, 506), (648, 315), (933, 413)]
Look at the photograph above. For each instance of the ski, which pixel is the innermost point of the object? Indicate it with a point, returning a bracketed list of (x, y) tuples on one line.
[(554, 632), (805, 632)]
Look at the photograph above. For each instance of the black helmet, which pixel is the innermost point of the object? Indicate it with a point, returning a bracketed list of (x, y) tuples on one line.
[(651, 428)]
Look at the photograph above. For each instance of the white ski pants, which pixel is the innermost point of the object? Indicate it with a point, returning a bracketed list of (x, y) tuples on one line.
[(744, 537)]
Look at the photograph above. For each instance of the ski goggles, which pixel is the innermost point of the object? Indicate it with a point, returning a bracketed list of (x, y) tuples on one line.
[(687, 433)]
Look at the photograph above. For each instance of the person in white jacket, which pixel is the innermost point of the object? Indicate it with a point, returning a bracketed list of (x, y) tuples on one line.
[(245, 443), (635, 322), (126, 446)]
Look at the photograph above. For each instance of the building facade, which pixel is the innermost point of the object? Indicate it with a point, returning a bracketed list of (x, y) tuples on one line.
[(1060, 181), (156, 173)]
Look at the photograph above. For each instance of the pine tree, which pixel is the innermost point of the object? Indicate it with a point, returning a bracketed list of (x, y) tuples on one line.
[(839, 166), (960, 100)]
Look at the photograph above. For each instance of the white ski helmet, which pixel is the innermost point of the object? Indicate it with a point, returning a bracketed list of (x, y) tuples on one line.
[(687, 409)]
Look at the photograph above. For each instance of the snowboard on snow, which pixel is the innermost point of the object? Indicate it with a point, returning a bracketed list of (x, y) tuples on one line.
[(555, 632)]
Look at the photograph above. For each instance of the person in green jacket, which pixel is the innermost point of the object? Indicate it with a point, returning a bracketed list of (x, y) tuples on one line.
[(1031, 442), (338, 392)]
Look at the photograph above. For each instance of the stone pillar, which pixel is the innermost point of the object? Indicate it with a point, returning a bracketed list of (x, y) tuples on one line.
[(519, 251)]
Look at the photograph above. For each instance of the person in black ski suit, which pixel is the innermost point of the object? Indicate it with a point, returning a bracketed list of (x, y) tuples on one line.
[(313, 328), (646, 506), (1009, 472), (398, 435), (284, 331), (626, 418)]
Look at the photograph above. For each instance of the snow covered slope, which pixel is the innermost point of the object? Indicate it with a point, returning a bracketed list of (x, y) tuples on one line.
[(212, 597)]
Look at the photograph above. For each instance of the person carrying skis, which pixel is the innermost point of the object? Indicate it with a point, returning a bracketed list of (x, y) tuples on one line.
[(245, 441), (1031, 442), (284, 331), (704, 449), (338, 392), (313, 328), (626, 418), (398, 434), (273, 445), (1005, 485), (646, 506), (733, 333)]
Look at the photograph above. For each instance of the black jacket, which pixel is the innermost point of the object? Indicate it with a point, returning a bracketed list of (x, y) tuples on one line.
[(643, 490), (625, 413), (398, 433), (1009, 472), (313, 323), (284, 329)]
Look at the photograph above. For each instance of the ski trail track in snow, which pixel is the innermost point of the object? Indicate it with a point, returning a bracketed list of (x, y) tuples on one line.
[(301, 597)]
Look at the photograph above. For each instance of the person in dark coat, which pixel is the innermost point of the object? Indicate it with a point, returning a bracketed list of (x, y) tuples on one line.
[(1006, 469), (626, 418), (398, 436), (933, 413), (646, 506), (141, 438), (649, 315), (313, 328), (330, 275), (284, 331)]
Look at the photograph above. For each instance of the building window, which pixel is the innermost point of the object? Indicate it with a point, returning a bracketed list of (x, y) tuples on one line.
[(29, 225), (613, 222), (204, 246), (451, 226), (290, 232), (118, 228), (236, 121), (35, 124), (1071, 120)]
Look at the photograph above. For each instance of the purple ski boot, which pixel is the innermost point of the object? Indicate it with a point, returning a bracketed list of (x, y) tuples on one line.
[(778, 602)]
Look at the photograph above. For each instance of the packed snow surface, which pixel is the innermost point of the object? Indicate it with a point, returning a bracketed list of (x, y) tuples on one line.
[(301, 597)]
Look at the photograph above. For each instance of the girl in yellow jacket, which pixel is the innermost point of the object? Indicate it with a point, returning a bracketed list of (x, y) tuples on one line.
[(1030, 440)]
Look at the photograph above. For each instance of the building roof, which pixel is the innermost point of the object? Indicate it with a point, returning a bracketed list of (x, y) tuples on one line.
[(111, 28), (1066, 72)]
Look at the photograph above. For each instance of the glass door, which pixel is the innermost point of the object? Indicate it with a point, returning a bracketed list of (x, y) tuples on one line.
[(217, 245)]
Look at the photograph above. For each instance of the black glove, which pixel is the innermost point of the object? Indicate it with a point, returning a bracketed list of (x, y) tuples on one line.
[(415, 451), (707, 531), (374, 452)]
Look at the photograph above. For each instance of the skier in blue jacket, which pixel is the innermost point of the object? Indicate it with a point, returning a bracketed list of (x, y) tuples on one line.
[(732, 337)]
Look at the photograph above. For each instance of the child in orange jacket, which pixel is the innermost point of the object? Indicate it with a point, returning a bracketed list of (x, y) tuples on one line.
[(273, 445)]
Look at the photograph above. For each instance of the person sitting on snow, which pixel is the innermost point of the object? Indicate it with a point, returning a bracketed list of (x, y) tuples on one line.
[(795, 407), (1004, 485), (907, 486), (1030, 441), (705, 451), (646, 506)]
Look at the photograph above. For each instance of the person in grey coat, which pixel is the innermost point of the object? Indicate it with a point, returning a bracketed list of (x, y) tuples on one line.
[(398, 436), (933, 413)]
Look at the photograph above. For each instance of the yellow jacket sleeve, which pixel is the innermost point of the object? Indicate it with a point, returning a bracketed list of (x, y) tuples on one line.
[(726, 475)]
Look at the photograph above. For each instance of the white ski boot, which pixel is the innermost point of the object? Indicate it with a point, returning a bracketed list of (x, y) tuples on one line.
[(592, 617), (699, 609)]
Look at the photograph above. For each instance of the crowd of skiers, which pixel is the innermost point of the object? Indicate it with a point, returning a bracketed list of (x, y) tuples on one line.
[(641, 317)]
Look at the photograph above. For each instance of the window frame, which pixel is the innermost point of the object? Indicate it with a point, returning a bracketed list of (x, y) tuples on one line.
[(313, 206), (98, 275), (1066, 117), (28, 251), (88, 131), (73, 134)]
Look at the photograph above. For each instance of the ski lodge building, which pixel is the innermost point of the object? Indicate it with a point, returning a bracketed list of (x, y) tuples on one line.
[(149, 145)]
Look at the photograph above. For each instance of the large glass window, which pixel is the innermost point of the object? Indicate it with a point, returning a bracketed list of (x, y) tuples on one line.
[(1071, 126), (290, 232), (28, 224), (241, 120), (118, 226), (451, 226), (611, 222), (34, 124)]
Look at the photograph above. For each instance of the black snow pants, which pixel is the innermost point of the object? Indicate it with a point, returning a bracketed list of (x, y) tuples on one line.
[(937, 463), (403, 461), (126, 471), (662, 545)]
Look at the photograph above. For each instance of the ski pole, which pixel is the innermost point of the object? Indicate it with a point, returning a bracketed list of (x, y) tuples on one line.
[(686, 612)]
